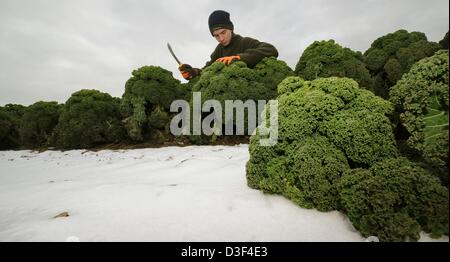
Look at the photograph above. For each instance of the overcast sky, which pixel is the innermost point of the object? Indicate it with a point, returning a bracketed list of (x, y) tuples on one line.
[(52, 48)]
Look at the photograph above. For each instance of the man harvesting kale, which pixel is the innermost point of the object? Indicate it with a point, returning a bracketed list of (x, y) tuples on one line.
[(231, 46)]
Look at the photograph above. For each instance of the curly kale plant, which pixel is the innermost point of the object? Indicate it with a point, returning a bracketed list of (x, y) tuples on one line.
[(394, 200), (238, 82), (146, 101), (421, 97), (233, 82), (325, 127), (392, 55), (273, 71), (89, 118), (327, 58)]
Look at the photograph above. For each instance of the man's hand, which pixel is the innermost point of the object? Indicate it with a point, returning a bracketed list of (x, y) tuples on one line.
[(228, 59), (188, 72)]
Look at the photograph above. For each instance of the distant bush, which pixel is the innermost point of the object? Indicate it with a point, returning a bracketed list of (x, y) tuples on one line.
[(38, 122), (10, 116), (395, 200), (88, 118), (444, 42)]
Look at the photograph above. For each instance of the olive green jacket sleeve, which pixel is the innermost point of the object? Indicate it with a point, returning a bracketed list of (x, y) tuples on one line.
[(250, 50), (255, 51)]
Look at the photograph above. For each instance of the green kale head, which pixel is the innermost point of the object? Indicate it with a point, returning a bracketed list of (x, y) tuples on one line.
[(422, 100), (325, 127)]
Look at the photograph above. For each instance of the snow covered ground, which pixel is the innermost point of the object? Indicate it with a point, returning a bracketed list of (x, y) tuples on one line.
[(195, 193)]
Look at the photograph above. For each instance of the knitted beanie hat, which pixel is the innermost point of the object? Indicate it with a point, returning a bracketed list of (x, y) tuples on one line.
[(219, 19)]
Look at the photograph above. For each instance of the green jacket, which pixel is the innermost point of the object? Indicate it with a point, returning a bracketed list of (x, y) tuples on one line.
[(250, 50)]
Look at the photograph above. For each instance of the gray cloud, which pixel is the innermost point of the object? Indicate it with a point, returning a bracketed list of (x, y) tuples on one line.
[(50, 49)]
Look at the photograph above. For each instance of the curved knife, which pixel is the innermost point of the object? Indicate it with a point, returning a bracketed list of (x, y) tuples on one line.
[(174, 56)]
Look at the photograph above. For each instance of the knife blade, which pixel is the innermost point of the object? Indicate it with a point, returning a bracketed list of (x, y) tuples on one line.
[(173, 54)]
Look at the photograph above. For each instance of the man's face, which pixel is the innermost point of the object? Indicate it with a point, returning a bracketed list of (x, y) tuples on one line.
[(223, 36)]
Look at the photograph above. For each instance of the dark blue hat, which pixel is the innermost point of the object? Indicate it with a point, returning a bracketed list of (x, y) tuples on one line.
[(219, 19)]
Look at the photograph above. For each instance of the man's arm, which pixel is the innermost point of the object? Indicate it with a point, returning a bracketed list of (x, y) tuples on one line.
[(255, 51), (188, 72)]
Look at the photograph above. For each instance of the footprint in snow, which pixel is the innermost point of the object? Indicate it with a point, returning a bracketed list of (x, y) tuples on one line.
[(63, 214)]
